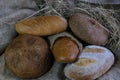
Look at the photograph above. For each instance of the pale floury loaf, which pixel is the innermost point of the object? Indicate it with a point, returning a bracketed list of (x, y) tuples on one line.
[(93, 62)]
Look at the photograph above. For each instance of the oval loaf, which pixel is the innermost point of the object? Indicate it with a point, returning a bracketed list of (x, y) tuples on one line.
[(88, 29), (42, 25), (93, 62)]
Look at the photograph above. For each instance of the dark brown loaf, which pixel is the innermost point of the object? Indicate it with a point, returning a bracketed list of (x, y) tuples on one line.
[(28, 56), (88, 29)]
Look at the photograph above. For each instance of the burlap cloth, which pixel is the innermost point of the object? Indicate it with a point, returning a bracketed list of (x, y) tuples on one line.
[(10, 12), (13, 10)]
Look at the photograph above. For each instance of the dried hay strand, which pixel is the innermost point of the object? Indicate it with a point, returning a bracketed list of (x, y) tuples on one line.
[(110, 18)]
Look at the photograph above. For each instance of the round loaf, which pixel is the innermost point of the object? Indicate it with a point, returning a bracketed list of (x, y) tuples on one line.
[(28, 56), (65, 50), (93, 62)]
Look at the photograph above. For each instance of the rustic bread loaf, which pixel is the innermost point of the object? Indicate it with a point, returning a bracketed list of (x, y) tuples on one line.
[(65, 47), (88, 29), (28, 56), (42, 25), (65, 50), (93, 62)]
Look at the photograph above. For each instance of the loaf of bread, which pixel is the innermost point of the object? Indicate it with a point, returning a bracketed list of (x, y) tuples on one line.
[(65, 47), (88, 29), (93, 62), (42, 25), (28, 56)]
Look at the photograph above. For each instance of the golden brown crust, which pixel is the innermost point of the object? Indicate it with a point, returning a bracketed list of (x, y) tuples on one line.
[(65, 49), (28, 56), (85, 62), (42, 25), (94, 50), (88, 29)]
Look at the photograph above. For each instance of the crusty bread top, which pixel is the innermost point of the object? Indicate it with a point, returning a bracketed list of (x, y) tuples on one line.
[(93, 62), (96, 56)]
